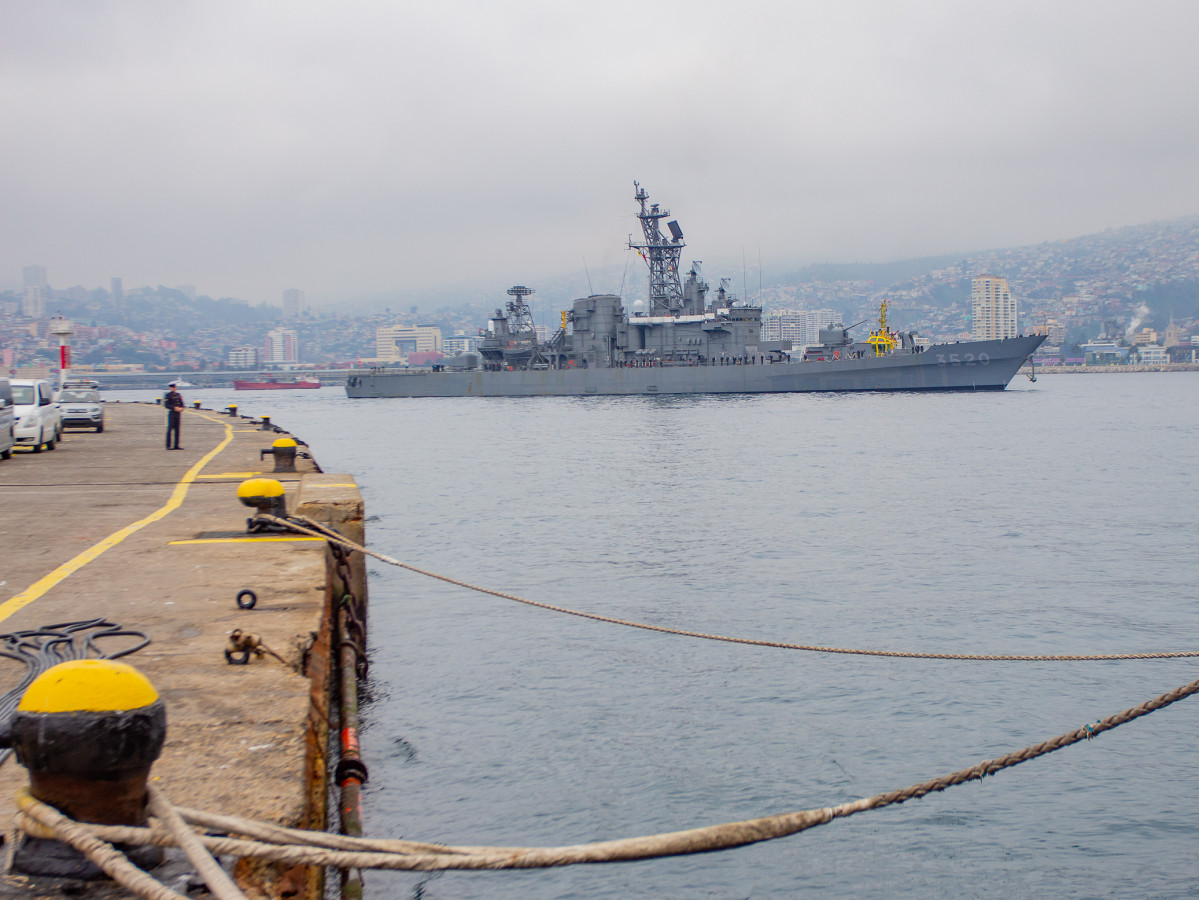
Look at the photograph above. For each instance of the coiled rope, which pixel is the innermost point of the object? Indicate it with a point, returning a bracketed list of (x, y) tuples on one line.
[(293, 846), (308, 526)]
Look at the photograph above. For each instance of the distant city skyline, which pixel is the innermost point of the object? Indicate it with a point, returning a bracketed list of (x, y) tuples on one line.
[(214, 145)]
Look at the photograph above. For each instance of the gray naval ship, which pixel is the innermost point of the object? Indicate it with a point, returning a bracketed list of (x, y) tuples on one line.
[(691, 340)]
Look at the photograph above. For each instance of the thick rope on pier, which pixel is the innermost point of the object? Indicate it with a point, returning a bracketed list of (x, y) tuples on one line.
[(103, 854), (220, 885), (314, 848), (308, 526)]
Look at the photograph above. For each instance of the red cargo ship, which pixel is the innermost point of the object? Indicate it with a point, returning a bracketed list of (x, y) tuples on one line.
[(275, 385)]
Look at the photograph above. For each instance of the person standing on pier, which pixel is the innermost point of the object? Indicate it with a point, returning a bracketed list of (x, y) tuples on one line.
[(173, 401)]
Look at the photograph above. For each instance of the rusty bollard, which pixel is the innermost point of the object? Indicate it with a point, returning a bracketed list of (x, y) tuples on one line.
[(88, 731)]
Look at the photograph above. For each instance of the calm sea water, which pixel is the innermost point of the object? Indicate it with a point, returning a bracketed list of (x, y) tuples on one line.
[(1055, 517)]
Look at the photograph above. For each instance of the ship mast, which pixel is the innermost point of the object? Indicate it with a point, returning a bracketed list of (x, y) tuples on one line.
[(520, 317), (661, 255)]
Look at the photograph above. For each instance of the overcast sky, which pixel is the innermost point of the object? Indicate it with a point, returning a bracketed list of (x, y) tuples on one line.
[(360, 147)]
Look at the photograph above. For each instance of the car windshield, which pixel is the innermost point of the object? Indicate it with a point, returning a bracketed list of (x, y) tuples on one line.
[(79, 397), (22, 394)]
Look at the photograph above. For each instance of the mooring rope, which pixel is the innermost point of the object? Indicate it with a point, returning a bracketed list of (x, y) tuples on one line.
[(308, 526), (220, 885), (113, 862), (292, 846)]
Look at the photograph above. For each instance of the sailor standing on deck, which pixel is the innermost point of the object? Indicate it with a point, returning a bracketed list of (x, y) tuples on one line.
[(173, 401)]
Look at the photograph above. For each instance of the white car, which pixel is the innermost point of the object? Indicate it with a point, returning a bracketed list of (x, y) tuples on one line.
[(38, 423), (7, 422), (81, 407)]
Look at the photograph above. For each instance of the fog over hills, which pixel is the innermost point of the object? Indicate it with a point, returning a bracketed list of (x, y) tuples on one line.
[(1152, 253)]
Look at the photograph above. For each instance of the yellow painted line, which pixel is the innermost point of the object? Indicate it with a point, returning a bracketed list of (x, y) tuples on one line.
[(38, 588), (239, 540), (220, 420)]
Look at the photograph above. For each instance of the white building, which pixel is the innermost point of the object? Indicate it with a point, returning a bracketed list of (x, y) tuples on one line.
[(460, 343), (993, 310), (244, 357), (799, 326), (817, 319), (281, 346), (784, 325), (395, 342)]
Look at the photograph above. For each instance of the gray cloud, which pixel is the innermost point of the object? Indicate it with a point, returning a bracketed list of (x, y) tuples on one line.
[(251, 147)]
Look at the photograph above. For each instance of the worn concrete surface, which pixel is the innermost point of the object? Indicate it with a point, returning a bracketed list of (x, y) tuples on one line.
[(236, 734)]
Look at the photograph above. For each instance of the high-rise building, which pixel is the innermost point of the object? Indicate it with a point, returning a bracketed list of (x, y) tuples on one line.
[(281, 346), (33, 301), (784, 325), (1056, 330), (116, 290), (294, 304), (993, 309), (34, 276), (817, 319)]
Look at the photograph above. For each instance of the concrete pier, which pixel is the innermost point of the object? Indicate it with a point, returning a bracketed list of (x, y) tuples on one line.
[(113, 525)]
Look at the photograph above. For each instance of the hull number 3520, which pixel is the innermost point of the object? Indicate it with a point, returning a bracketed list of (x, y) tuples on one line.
[(982, 359)]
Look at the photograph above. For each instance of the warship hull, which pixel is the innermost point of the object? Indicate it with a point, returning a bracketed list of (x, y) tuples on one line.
[(967, 366)]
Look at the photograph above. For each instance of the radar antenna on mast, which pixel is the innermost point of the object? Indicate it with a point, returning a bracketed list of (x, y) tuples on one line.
[(661, 254), (520, 316)]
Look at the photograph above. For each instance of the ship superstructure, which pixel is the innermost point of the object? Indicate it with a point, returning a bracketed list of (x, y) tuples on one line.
[(511, 339)]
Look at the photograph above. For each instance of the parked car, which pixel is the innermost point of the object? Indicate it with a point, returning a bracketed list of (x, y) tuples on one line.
[(81, 407), (38, 422), (7, 419)]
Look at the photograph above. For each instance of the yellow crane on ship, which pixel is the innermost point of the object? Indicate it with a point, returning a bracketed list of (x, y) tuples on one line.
[(882, 340)]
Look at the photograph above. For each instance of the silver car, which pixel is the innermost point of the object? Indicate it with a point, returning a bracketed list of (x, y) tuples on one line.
[(81, 408)]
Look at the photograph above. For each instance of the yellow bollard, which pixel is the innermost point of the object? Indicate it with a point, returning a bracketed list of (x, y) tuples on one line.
[(284, 451), (266, 496), (88, 731)]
